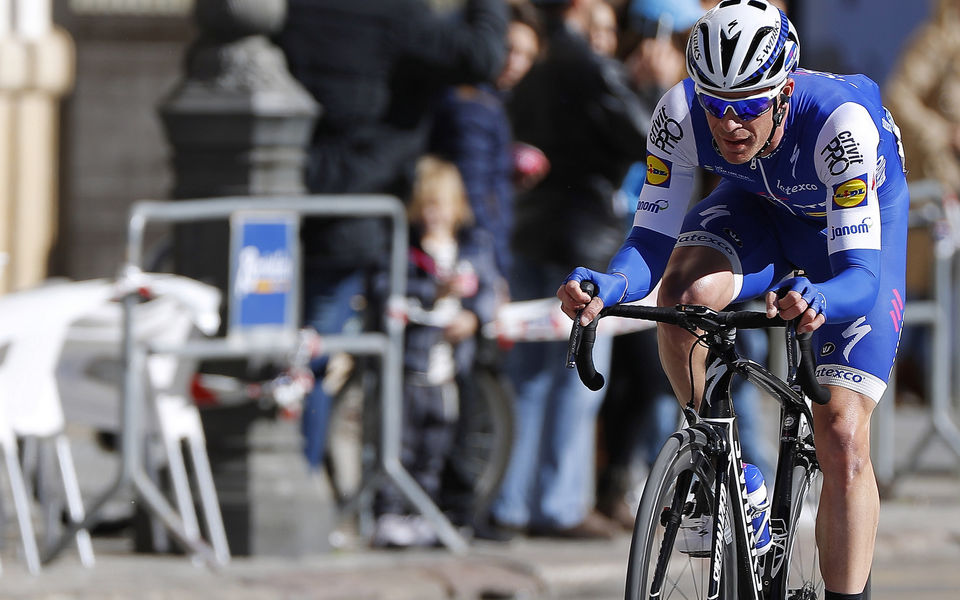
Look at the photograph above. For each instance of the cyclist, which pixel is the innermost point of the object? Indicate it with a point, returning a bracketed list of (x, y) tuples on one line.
[(813, 179)]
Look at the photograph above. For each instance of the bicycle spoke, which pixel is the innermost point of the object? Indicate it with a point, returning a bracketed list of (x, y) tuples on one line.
[(667, 561), (803, 580)]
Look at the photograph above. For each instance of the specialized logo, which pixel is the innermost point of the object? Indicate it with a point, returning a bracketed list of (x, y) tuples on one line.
[(857, 330), (793, 160), (658, 171), (845, 230), (714, 212), (665, 131), (842, 151), (721, 526), (712, 377), (850, 193)]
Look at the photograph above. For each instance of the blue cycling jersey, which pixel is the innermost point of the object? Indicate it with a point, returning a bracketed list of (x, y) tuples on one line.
[(838, 159), (831, 199)]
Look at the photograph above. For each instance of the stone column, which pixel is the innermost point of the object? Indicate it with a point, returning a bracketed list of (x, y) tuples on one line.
[(36, 70), (238, 125)]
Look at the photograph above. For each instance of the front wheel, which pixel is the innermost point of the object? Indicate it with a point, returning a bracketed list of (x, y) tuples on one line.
[(802, 560), (679, 489)]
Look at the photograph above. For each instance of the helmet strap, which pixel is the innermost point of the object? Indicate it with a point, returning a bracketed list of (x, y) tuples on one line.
[(779, 111)]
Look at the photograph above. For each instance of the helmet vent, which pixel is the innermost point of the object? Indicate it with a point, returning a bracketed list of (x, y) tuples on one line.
[(704, 36), (727, 47), (757, 40)]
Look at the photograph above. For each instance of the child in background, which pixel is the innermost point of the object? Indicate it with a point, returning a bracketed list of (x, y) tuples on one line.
[(450, 294)]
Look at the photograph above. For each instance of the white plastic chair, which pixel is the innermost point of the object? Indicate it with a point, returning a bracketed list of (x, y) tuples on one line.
[(33, 324), (178, 307)]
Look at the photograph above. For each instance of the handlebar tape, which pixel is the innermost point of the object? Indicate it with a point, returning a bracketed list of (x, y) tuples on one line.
[(805, 371)]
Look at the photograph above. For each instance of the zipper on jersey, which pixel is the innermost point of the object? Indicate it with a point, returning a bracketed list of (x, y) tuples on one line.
[(770, 195), (753, 165)]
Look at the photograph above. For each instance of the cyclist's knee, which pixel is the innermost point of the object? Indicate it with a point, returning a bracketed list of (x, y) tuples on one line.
[(696, 275), (843, 436)]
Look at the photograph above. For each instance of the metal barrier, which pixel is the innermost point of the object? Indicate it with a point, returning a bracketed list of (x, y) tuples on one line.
[(388, 346), (926, 210)]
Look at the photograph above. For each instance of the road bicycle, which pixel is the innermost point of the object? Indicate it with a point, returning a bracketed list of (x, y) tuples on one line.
[(699, 472)]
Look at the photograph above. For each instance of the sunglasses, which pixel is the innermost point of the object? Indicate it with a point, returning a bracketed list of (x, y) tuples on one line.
[(747, 109)]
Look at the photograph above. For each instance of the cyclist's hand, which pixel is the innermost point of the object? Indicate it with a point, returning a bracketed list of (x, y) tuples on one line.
[(797, 297), (610, 289)]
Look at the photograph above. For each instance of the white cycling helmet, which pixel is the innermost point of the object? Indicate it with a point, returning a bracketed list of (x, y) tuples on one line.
[(742, 46)]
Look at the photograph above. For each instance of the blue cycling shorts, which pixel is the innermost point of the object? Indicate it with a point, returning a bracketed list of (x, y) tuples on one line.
[(765, 244)]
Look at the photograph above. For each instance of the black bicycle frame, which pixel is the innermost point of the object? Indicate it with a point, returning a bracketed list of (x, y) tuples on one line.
[(717, 412)]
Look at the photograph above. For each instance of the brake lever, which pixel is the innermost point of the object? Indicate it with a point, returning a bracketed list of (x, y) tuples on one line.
[(576, 332)]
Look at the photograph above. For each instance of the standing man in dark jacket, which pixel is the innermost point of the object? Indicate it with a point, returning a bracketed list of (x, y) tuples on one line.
[(579, 109), (375, 67)]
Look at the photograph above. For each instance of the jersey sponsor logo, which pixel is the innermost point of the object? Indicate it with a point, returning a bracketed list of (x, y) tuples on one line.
[(827, 349), (838, 373), (845, 230), (653, 207), (793, 160), (726, 172), (800, 187), (665, 131), (658, 171), (841, 152), (850, 193), (703, 239)]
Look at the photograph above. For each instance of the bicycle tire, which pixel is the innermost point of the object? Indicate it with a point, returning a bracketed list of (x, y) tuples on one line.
[(685, 576), (803, 580)]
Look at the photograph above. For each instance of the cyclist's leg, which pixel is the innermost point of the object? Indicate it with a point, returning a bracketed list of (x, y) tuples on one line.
[(849, 501), (855, 359), (726, 252)]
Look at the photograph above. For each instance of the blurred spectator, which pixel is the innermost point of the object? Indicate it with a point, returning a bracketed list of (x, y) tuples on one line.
[(375, 66), (639, 409), (603, 29), (923, 94), (472, 129), (578, 108), (450, 292)]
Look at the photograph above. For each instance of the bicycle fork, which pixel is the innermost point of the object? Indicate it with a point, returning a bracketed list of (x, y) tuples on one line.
[(730, 494)]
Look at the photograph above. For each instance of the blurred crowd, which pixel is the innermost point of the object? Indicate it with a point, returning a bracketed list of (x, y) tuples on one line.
[(516, 132)]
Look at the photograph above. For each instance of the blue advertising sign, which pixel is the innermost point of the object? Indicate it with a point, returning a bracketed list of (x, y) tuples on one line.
[(264, 273)]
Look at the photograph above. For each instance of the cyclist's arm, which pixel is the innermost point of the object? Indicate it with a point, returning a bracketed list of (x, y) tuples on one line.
[(847, 165), (662, 199)]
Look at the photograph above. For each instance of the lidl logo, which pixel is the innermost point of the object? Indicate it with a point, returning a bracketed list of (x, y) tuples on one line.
[(850, 193), (658, 171)]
